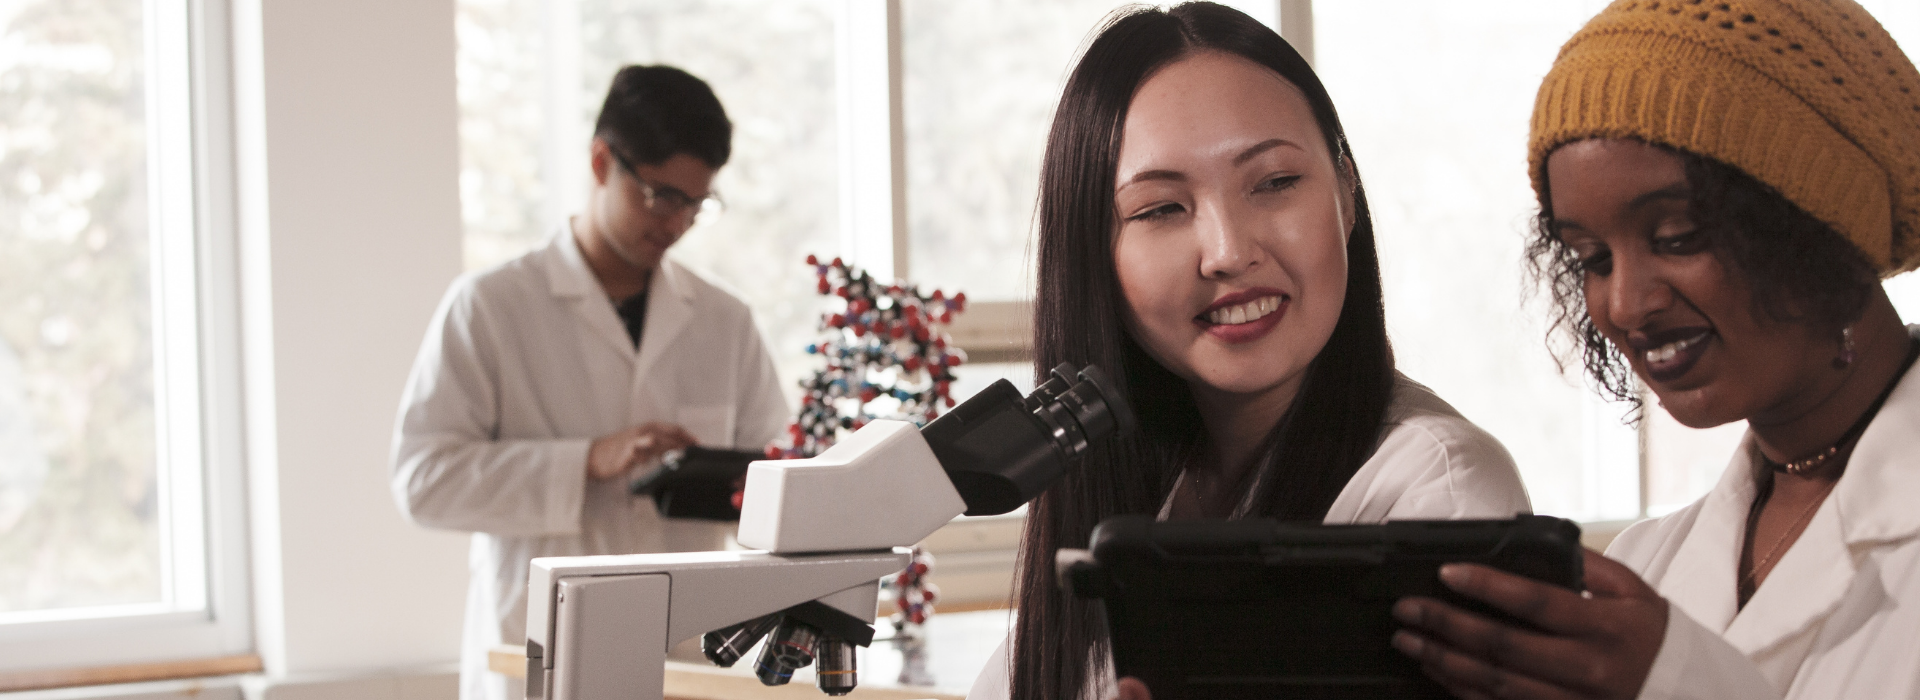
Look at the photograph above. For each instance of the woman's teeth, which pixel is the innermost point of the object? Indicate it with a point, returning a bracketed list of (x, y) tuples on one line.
[(1666, 353), (1244, 313)]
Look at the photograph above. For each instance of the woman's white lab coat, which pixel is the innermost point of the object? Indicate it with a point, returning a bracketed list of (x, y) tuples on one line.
[(1432, 464), (523, 366), (1839, 616)]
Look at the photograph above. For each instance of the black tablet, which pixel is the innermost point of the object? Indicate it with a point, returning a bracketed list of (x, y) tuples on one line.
[(1263, 609), (697, 484)]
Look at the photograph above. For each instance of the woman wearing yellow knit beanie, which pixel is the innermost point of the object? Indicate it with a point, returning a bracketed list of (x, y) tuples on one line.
[(1722, 186)]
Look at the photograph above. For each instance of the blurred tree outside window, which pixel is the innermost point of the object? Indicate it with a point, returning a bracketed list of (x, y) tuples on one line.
[(79, 497), (981, 81)]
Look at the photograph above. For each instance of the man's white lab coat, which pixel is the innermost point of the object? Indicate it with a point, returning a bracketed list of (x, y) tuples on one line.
[(524, 365), (1839, 616)]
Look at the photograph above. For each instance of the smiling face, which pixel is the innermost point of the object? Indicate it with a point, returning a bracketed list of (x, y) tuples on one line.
[(1685, 321), (1233, 223)]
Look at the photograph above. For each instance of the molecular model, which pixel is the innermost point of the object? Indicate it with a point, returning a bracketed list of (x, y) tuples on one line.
[(886, 357), (913, 594)]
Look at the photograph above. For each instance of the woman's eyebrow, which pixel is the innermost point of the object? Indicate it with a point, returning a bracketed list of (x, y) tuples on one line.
[(1558, 228), (1675, 191), (1238, 160), (1263, 147), (1145, 175)]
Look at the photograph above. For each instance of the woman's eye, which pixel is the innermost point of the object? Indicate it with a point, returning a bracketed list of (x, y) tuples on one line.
[(1680, 244), (1159, 212), (1598, 263), (1276, 184)]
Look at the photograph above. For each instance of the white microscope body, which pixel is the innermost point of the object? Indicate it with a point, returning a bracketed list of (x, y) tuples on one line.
[(828, 529)]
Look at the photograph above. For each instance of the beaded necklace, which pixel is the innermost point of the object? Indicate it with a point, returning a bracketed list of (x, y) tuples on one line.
[(1749, 577)]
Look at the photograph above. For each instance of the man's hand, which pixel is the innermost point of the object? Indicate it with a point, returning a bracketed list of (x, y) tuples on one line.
[(1596, 646), (616, 454)]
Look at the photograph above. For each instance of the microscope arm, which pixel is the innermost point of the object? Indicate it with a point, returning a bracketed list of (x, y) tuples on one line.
[(880, 487), (600, 615)]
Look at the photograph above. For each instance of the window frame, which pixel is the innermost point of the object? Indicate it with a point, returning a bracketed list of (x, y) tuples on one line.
[(204, 611)]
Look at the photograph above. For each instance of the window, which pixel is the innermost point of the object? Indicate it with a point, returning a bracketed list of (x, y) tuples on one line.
[(119, 502), (1441, 144)]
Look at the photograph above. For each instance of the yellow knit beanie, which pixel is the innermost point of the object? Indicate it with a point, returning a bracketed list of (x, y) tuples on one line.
[(1811, 97)]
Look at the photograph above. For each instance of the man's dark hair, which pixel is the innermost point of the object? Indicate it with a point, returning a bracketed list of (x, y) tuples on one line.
[(654, 112)]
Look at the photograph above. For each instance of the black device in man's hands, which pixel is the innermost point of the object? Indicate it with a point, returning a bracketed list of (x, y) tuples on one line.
[(698, 484), (1263, 609)]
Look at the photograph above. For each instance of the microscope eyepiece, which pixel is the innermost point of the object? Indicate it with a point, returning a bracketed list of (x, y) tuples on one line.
[(1001, 449)]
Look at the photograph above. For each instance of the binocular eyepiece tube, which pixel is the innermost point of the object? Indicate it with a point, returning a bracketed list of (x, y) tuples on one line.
[(1002, 449)]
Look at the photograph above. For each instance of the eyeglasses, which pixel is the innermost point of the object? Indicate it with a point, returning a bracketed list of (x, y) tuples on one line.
[(667, 202)]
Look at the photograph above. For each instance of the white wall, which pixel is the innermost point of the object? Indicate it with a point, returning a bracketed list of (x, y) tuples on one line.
[(350, 231)]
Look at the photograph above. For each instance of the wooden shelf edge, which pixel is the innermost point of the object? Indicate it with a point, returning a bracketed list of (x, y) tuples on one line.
[(508, 660), (129, 673)]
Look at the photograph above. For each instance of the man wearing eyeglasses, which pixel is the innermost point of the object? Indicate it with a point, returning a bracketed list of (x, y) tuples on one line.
[(545, 382)]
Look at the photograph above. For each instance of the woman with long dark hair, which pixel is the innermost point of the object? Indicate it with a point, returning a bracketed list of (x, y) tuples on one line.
[(1722, 187), (1204, 234)]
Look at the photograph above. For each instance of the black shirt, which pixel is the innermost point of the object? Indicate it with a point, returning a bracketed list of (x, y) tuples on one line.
[(633, 313)]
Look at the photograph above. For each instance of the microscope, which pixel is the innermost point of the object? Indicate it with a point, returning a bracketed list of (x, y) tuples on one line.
[(826, 530)]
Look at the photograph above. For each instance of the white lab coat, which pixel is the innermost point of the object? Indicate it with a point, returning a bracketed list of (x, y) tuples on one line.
[(523, 366), (1432, 464), (1839, 617)]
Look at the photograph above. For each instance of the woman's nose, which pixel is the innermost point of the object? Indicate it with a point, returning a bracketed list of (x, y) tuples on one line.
[(1636, 291), (1226, 249)]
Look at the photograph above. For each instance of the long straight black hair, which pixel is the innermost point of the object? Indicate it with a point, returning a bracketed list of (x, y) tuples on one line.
[(1334, 424)]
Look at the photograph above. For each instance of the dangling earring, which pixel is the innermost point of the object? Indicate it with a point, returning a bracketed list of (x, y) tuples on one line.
[(1845, 359)]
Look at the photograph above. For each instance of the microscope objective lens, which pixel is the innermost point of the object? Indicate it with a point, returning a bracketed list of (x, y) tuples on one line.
[(790, 647), (835, 672), (726, 645), (771, 671)]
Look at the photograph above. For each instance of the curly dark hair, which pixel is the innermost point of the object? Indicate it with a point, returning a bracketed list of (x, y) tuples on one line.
[(1799, 269)]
